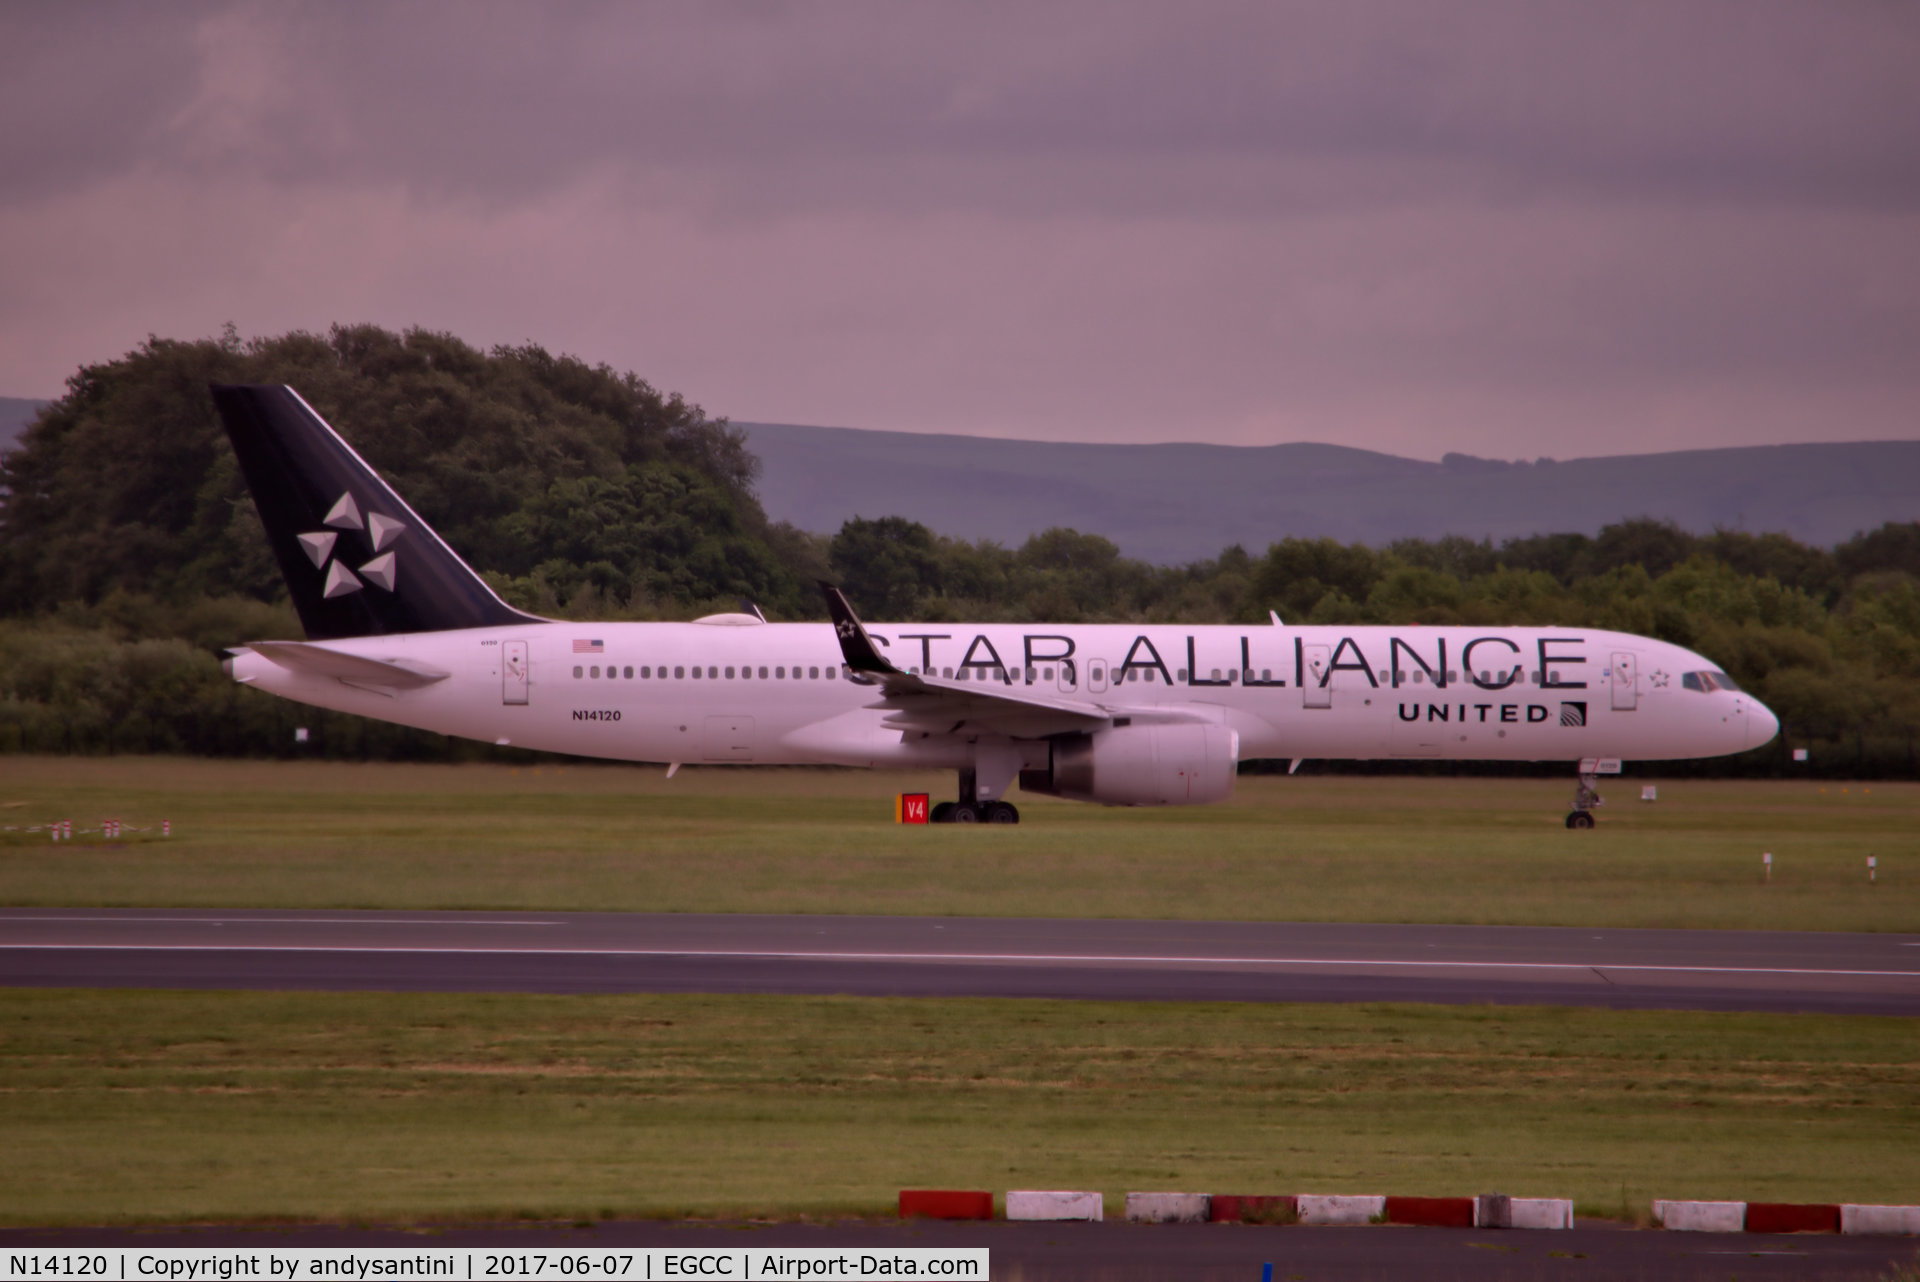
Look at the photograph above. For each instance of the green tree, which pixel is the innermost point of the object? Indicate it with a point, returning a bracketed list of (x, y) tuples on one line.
[(127, 481), (887, 565)]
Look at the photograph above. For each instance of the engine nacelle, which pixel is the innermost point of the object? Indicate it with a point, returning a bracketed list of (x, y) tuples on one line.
[(1185, 764)]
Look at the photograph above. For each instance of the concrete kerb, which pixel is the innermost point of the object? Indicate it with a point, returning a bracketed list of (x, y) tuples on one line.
[(1899, 1220), (1169, 1208), (1492, 1211), (1700, 1217), (1339, 1208), (1031, 1204), (1777, 1217), (1540, 1212)]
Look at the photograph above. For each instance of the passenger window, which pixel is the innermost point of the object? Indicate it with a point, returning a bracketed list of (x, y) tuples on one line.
[(1266, 674), (814, 673), (947, 673), (680, 673), (729, 674), (763, 674), (594, 671), (646, 673), (576, 672), (1046, 674)]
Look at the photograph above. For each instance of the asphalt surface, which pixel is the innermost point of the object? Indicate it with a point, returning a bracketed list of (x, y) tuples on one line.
[(959, 956), (1120, 1252)]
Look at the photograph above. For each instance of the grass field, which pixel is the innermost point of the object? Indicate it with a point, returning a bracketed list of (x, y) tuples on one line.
[(318, 834), (231, 1105)]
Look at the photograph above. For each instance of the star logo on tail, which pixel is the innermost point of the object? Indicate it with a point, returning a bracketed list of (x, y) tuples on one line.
[(382, 532)]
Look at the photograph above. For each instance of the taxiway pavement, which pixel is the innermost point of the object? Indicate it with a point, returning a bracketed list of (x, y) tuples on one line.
[(960, 956)]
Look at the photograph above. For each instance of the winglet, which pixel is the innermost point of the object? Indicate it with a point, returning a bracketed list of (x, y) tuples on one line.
[(856, 647)]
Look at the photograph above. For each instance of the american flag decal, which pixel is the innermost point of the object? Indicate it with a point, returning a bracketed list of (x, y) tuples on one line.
[(589, 647)]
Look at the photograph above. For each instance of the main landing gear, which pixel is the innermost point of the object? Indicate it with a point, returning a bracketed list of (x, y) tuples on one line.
[(1585, 798), (970, 809)]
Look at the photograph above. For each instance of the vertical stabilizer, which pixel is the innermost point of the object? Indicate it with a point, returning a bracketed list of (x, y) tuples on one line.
[(358, 561)]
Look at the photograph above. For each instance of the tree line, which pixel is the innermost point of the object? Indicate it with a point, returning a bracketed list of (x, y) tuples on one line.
[(131, 555)]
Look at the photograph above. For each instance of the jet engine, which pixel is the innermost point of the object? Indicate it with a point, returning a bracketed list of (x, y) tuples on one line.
[(1181, 764)]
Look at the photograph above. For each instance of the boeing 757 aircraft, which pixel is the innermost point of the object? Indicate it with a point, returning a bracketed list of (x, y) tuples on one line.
[(400, 629)]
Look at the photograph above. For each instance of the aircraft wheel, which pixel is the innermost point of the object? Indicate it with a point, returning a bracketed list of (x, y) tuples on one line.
[(942, 813), (1002, 812), (962, 813), (1579, 819)]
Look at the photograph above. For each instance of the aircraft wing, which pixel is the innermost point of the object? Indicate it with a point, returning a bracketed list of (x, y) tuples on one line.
[(932, 705), (383, 676)]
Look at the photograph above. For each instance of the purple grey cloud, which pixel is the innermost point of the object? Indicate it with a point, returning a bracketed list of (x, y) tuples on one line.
[(1502, 227)]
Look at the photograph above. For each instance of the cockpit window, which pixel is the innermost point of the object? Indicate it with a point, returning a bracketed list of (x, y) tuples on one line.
[(1708, 681)]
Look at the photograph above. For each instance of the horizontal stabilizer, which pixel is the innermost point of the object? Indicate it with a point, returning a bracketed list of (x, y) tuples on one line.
[(318, 661)]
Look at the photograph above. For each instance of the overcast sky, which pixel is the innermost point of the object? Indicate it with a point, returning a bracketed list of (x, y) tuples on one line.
[(1510, 229)]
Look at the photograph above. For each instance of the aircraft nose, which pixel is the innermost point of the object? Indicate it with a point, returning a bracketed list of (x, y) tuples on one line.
[(1762, 725)]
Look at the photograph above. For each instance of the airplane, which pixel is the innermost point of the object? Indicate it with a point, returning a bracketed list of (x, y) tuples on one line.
[(400, 629)]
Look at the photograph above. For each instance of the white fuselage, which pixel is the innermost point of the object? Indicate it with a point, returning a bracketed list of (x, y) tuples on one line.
[(777, 692)]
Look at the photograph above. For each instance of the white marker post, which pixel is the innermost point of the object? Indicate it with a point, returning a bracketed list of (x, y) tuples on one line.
[(1766, 862)]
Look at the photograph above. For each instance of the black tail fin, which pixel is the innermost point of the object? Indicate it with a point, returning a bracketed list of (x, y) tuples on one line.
[(358, 561)]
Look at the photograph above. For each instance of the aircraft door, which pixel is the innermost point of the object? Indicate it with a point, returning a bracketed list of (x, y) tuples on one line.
[(1316, 691), (1096, 675), (1626, 681), (513, 672)]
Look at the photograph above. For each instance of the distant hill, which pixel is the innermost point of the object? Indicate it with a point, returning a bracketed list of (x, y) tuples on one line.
[(1175, 503), (15, 414)]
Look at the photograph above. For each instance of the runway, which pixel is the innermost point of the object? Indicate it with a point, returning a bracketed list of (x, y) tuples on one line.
[(959, 956)]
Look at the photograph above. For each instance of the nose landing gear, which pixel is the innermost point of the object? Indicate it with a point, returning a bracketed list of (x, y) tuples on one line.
[(1585, 798), (970, 809)]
